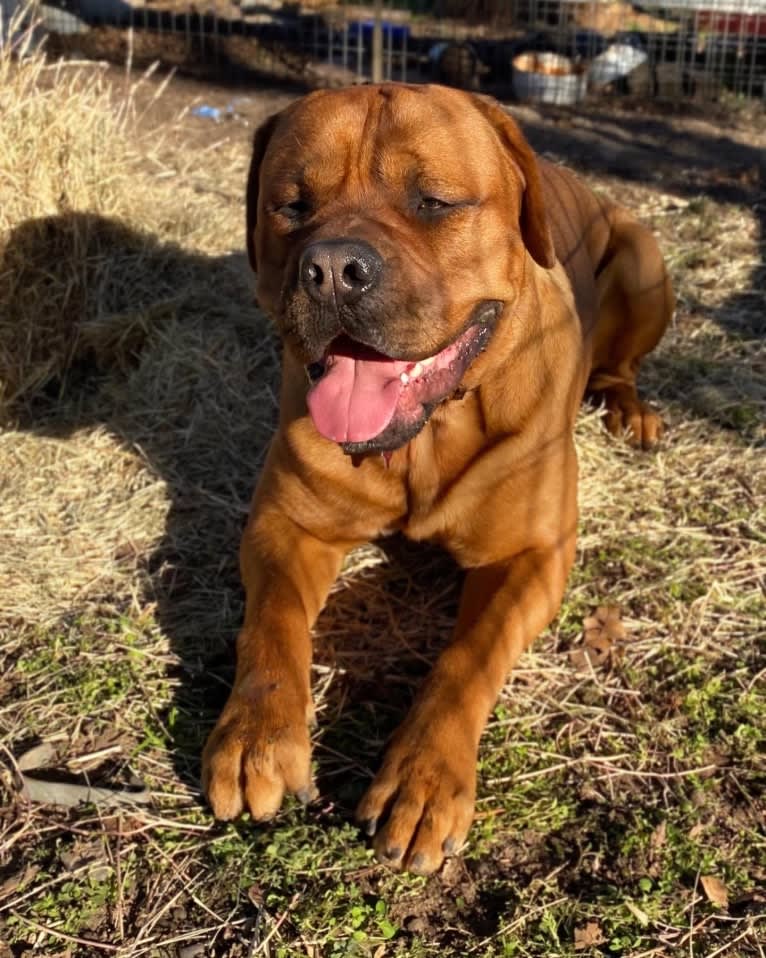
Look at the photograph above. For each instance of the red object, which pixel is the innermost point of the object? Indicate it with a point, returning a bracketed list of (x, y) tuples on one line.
[(719, 21)]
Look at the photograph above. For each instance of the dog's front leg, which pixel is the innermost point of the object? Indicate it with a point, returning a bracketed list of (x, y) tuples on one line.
[(260, 747), (420, 805)]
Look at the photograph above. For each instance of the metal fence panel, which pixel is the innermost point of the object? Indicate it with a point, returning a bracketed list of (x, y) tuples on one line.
[(555, 50)]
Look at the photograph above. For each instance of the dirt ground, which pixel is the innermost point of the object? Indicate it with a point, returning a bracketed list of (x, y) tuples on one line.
[(712, 149), (621, 804)]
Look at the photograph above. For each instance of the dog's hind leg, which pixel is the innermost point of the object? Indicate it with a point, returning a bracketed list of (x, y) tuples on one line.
[(636, 304)]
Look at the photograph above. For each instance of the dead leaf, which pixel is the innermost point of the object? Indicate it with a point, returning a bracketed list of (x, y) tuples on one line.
[(599, 646), (715, 890), (602, 632), (52, 791), (579, 659), (255, 894), (36, 757), (588, 936), (69, 794), (609, 619)]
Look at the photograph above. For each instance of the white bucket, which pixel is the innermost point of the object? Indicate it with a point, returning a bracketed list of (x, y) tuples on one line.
[(619, 60), (548, 78)]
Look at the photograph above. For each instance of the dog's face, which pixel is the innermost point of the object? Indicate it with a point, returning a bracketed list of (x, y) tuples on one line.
[(388, 226)]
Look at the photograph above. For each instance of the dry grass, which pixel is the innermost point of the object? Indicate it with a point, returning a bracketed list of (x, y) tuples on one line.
[(101, 261), (74, 283), (139, 396)]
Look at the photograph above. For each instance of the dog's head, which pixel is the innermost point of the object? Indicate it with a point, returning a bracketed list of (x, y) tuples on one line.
[(389, 227)]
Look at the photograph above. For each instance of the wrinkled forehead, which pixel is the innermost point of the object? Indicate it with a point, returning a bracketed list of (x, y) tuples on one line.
[(387, 133)]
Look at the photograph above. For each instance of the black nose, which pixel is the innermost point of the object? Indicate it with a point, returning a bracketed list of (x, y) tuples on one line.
[(339, 271)]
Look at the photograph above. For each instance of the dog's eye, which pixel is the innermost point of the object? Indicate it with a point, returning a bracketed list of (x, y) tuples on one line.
[(429, 205), (295, 210)]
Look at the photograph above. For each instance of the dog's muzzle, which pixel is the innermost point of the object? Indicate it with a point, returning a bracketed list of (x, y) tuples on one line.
[(339, 272)]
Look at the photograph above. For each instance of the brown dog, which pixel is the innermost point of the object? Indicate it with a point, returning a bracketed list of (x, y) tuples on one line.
[(445, 300)]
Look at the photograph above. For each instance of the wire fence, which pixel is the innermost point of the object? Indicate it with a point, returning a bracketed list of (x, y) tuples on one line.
[(556, 51)]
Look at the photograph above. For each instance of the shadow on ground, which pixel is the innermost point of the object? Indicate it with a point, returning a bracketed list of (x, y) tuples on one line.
[(701, 165)]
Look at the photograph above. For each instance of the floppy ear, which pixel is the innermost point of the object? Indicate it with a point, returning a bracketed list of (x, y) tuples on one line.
[(260, 142), (533, 220)]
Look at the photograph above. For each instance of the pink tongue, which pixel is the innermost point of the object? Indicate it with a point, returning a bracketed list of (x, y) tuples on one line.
[(355, 399)]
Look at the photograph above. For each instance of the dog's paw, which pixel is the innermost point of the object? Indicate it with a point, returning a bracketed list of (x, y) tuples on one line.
[(420, 805), (258, 751), (631, 417), (640, 424)]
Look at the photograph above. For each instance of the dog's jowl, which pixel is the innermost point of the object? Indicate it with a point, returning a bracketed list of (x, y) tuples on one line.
[(446, 299)]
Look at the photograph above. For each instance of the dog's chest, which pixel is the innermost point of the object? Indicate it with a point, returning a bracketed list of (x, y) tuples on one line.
[(437, 458)]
